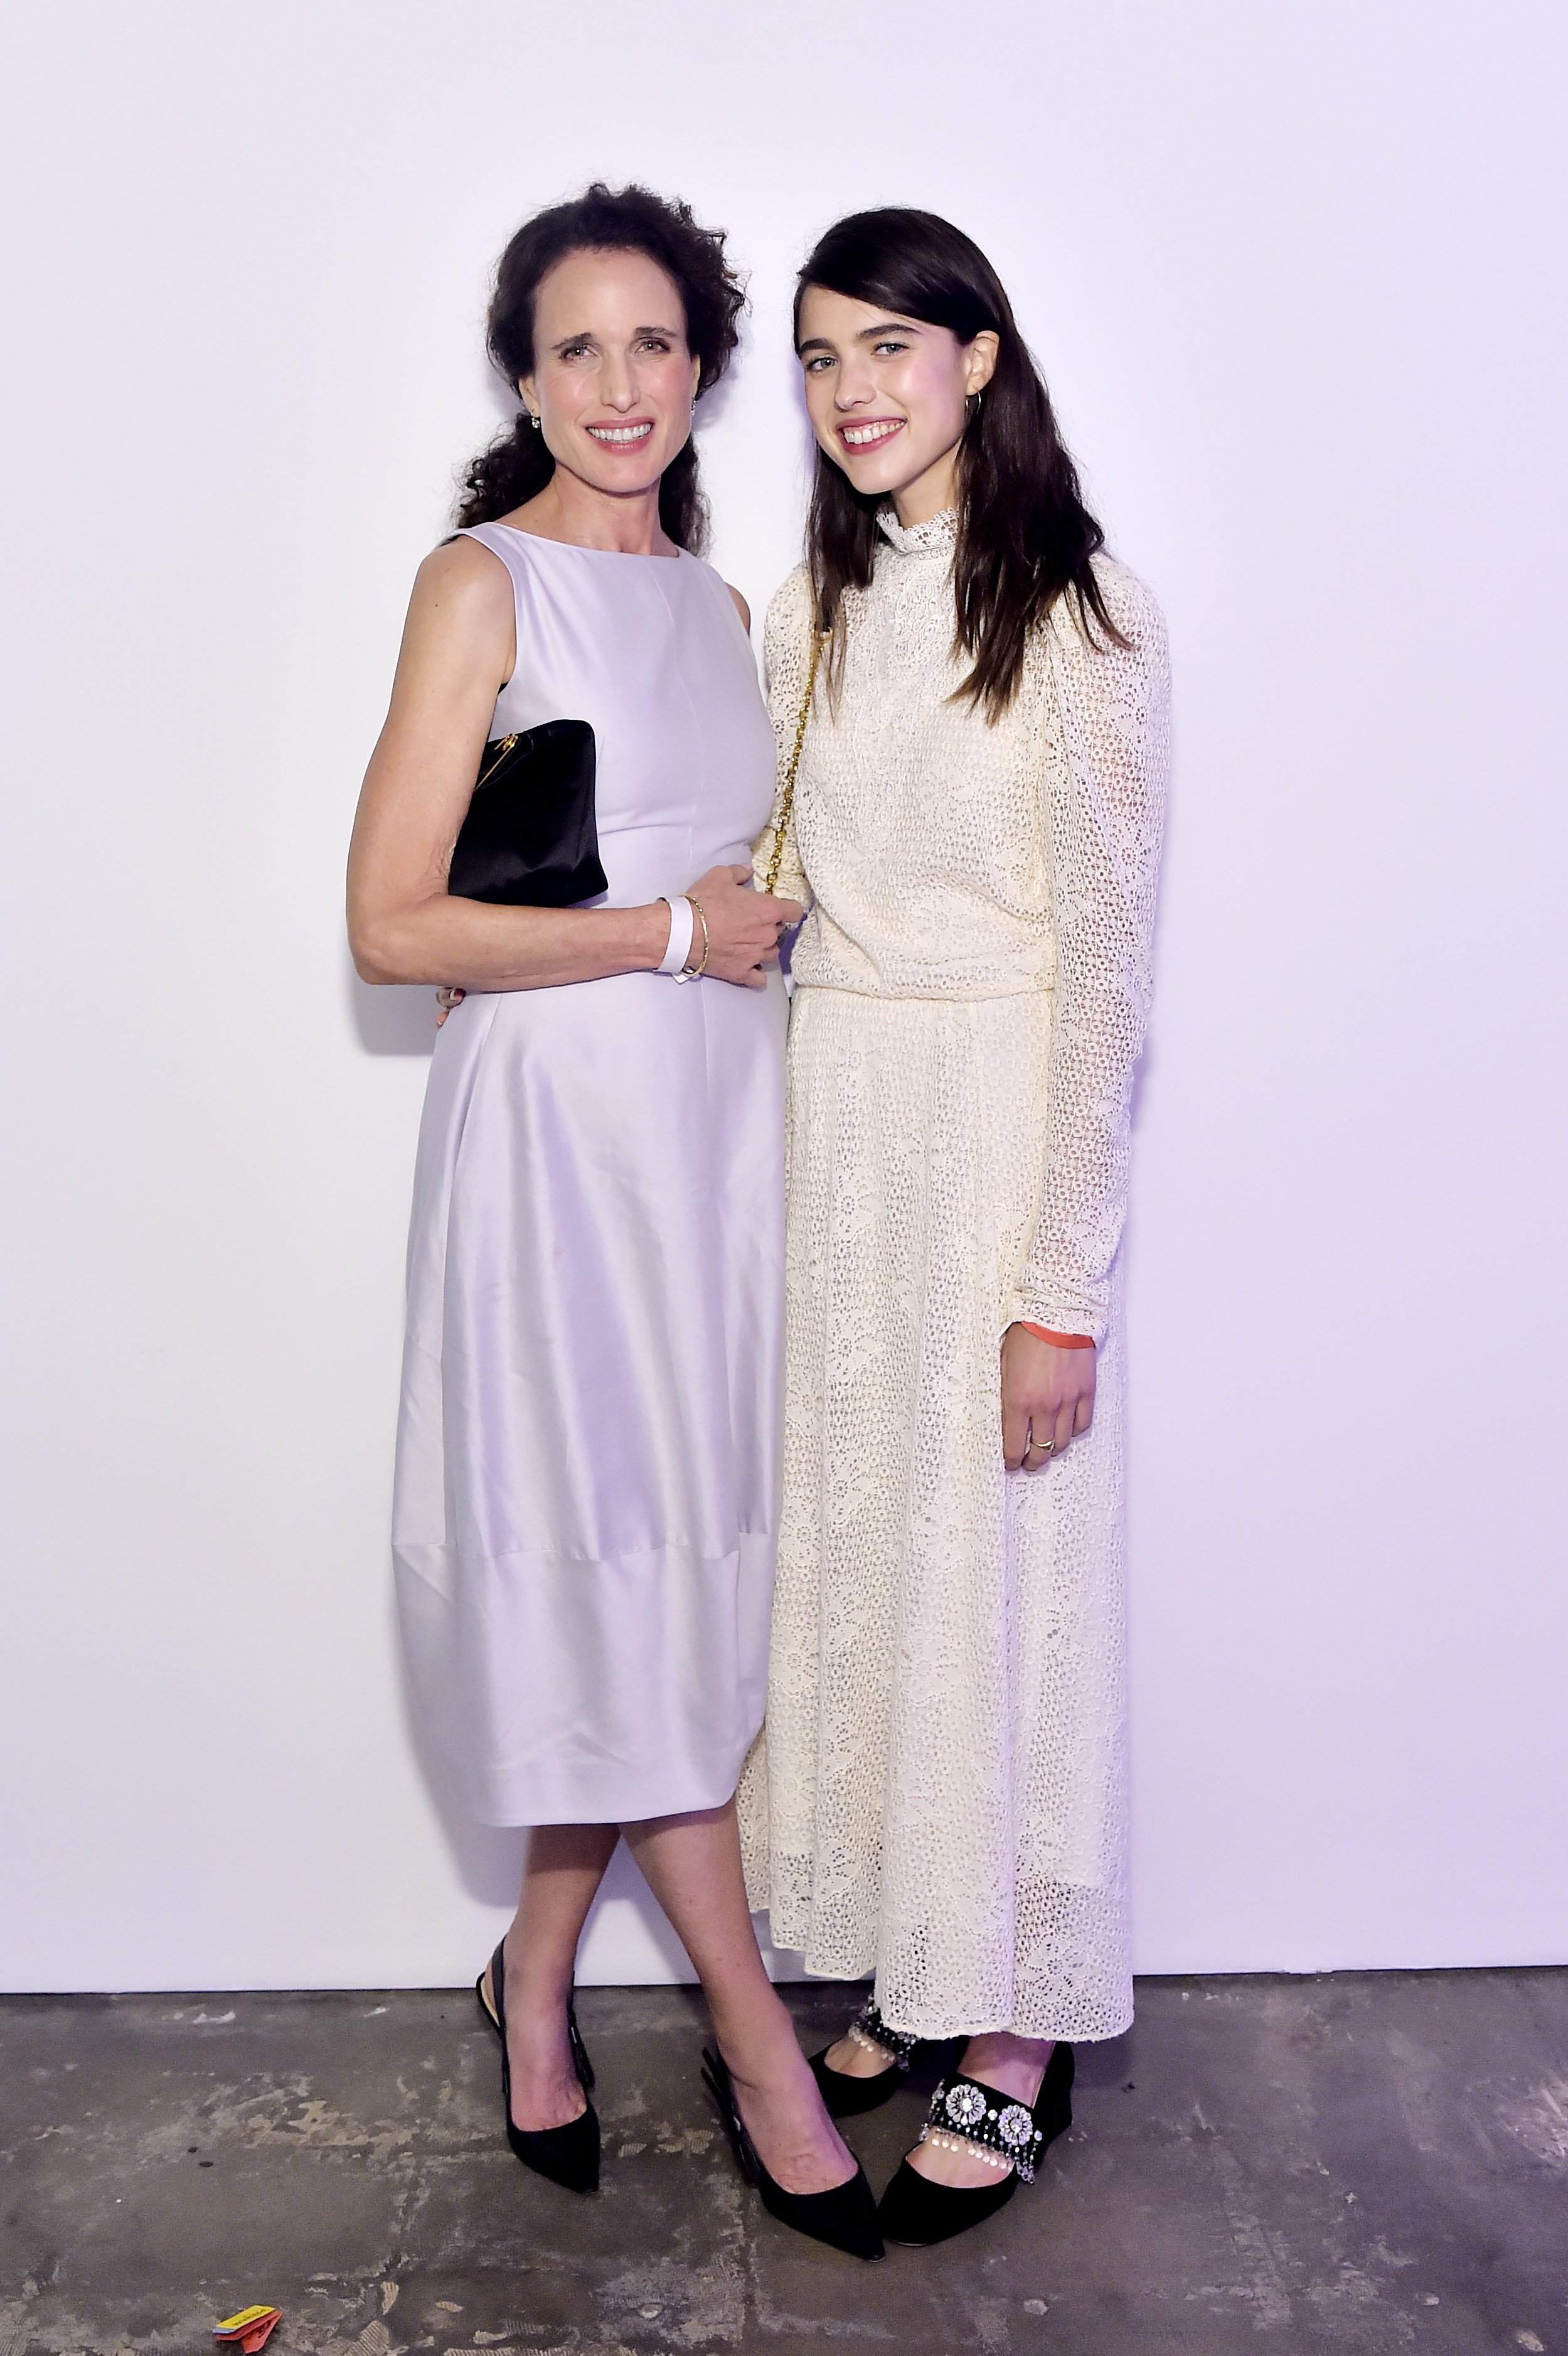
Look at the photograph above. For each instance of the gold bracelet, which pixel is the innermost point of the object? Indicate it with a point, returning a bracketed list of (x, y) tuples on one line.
[(688, 972)]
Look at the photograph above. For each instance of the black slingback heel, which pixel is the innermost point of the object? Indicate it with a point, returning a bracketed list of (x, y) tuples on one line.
[(844, 2216), (914, 2210), (569, 2156)]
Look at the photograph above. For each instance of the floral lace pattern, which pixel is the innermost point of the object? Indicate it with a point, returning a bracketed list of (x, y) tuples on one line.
[(939, 1794)]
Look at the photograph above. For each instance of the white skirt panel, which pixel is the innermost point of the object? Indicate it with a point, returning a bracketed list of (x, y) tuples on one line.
[(939, 1796), (587, 1456)]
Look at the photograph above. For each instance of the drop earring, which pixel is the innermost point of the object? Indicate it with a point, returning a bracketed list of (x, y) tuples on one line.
[(535, 421)]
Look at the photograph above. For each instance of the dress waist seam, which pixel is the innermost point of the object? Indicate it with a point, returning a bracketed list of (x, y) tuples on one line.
[(929, 997)]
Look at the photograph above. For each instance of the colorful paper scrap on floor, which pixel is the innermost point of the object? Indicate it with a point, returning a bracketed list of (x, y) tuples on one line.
[(249, 2328)]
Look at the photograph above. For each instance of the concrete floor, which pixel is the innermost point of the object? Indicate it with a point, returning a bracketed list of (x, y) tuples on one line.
[(1358, 2163)]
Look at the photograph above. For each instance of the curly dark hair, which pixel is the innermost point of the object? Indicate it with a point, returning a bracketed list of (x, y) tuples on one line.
[(607, 221)]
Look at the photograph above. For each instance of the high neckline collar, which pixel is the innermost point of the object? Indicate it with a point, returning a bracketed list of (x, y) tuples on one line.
[(938, 535)]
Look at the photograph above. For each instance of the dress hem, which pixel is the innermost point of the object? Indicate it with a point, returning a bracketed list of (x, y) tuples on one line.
[(1065, 2027)]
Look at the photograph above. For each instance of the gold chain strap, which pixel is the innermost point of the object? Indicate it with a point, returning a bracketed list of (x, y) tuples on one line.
[(787, 806)]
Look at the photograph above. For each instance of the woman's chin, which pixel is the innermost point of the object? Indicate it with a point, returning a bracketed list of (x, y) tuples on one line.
[(881, 476), (627, 478)]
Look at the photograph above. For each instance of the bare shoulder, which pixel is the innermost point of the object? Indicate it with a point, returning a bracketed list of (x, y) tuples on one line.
[(741, 608), (465, 578), (462, 617)]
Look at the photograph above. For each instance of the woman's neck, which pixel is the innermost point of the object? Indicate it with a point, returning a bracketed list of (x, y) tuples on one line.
[(569, 509), (931, 493)]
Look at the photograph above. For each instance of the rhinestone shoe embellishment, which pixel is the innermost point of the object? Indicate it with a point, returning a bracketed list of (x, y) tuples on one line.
[(965, 2105), (965, 2115)]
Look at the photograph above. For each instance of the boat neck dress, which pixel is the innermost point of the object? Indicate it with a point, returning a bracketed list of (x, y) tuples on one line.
[(939, 1797), (587, 1462)]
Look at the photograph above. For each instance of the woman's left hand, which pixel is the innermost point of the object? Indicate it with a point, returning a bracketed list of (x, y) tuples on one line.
[(1047, 1398)]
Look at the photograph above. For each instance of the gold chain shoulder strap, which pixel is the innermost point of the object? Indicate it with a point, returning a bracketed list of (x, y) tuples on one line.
[(786, 804)]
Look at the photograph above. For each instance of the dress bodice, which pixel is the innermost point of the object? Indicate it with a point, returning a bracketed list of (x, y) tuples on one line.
[(650, 651), (920, 826), (948, 858)]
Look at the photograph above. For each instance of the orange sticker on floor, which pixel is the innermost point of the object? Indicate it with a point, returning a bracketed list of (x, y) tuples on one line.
[(247, 2330)]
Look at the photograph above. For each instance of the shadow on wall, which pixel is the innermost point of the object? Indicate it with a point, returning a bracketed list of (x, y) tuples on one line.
[(390, 1019)]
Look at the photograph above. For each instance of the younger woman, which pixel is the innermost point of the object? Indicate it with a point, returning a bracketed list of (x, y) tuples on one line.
[(976, 821)]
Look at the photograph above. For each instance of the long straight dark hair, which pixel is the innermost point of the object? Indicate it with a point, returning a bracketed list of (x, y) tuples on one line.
[(1025, 537), (614, 221)]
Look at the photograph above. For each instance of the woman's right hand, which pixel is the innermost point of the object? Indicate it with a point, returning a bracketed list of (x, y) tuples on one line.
[(744, 926)]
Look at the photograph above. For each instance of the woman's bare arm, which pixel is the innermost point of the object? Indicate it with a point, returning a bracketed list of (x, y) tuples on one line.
[(457, 653)]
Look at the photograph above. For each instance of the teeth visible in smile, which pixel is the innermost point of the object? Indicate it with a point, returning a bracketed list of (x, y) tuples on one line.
[(624, 434), (858, 436)]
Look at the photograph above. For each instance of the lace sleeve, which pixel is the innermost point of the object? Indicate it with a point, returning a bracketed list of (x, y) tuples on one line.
[(1107, 735), (786, 651)]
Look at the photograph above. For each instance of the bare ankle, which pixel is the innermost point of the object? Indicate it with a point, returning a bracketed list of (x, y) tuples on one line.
[(536, 1982), (1013, 2064), (756, 2032)]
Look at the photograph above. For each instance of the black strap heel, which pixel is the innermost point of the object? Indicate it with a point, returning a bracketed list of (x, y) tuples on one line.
[(846, 2096), (582, 2065), (569, 2156), (844, 2216), (1012, 2135)]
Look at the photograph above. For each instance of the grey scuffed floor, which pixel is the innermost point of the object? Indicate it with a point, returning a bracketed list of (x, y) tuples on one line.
[(1358, 2163)]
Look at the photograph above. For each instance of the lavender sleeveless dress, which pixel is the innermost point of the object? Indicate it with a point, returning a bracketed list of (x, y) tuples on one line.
[(587, 1448)]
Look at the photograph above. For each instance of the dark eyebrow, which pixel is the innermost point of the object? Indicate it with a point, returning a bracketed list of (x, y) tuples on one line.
[(586, 336), (866, 336)]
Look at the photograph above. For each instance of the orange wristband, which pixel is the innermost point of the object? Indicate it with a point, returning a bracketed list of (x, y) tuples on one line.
[(1058, 1341)]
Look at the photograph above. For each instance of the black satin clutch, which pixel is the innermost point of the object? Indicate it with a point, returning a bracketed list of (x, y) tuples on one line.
[(529, 838)]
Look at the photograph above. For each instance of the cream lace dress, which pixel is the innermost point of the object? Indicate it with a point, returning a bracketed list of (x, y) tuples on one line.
[(939, 1794)]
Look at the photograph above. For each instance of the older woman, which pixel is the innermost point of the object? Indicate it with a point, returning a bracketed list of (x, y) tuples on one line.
[(584, 1517)]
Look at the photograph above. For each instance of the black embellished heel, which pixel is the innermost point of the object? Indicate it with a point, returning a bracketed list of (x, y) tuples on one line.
[(847, 2097), (1010, 2134), (569, 2156), (844, 2216)]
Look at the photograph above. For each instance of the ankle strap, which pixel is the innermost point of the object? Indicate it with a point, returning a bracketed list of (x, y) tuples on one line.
[(962, 2108), (868, 2022)]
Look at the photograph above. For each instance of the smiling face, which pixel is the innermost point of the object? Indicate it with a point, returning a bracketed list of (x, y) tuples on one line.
[(889, 397), (614, 379)]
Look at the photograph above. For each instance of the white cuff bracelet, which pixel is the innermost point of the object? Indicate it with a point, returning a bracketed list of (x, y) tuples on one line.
[(679, 947)]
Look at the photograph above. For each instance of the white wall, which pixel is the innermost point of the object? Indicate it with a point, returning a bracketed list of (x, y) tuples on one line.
[(1292, 271)]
